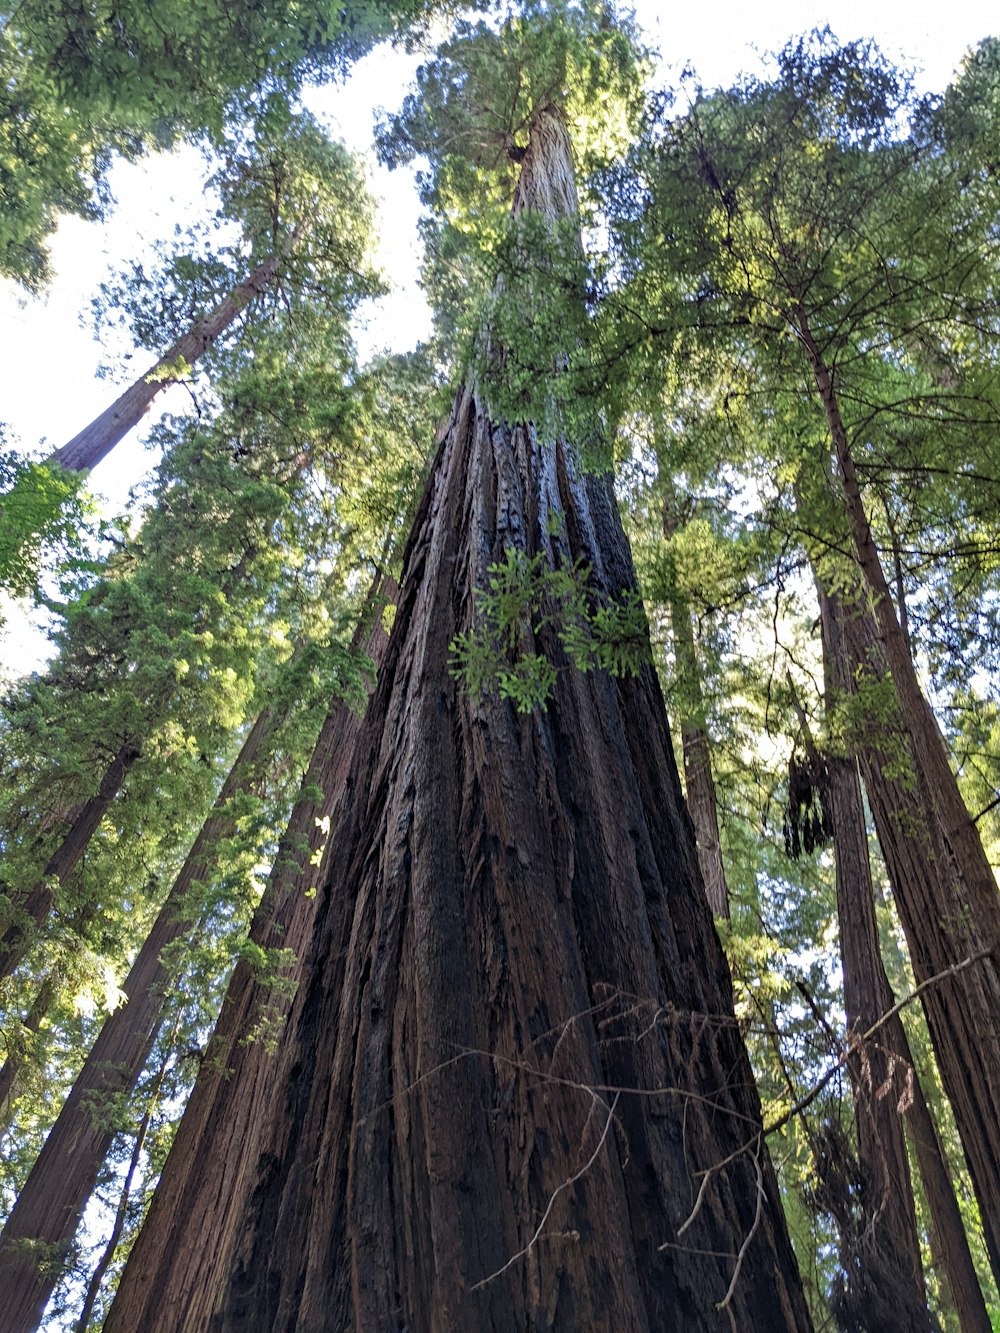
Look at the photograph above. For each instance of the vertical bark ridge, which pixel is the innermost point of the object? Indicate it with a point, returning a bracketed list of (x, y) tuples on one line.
[(945, 888), (514, 900), (179, 1262)]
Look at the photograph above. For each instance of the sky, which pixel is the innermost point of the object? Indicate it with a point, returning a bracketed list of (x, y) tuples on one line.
[(49, 387)]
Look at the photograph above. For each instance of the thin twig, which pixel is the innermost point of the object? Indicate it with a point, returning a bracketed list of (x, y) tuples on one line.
[(706, 1177), (725, 1302), (555, 1194), (818, 1087)]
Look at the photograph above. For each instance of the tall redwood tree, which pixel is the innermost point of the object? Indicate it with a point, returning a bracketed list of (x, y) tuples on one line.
[(516, 1093)]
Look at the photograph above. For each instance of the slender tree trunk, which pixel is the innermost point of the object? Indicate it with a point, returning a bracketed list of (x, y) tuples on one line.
[(885, 1281), (94, 442), (52, 1199), (699, 783), (121, 1212), (36, 906), (178, 1265), (950, 1242), (859, 936), (515, 1055), (945, 889), (914, 866)]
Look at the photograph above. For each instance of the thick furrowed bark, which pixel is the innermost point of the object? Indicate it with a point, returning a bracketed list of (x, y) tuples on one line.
[(52, 1199), (36, 906), (179, 1263), (885, 1074), (95, 442), (887, 1273), (514, 929), (515, 1048), (945, 889)]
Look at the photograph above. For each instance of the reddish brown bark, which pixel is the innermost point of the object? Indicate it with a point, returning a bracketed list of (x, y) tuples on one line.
[(178, 1265), (515, 1051), (868, 996), (885, 1282), (37, 904), (914, 862), (121, 1212), (95, 442), (950, 1244), (945, 889), (51, 1201)]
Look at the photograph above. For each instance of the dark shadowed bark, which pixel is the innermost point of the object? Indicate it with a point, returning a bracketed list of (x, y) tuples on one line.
[(515, 1073), (859, 941), (94, 442), (179, 1263), (945, 889), (33, 909), (885, 1282), (51, 1201)]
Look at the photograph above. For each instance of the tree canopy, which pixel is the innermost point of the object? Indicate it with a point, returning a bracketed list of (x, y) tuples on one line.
[(761, 322)]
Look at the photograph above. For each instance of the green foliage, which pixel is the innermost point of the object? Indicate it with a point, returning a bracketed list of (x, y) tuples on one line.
[(79, 83), (821, 192), (41, 506), (293, 196), (471, 119), (524, 598)]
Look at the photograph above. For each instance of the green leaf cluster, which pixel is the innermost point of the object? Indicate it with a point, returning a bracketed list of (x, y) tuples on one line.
[(525, 597)]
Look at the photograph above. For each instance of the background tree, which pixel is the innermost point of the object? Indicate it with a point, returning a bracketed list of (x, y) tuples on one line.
[(79, 86), (808, 254)]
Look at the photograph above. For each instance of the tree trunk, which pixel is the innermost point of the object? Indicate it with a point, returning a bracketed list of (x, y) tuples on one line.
[(36, 906), (515, 1056), (699, 783), (945, 889), (178, 1265), (94, 442), (121, 1212), (885, 1281), (52, 1199), (913, 865), (950, 1242)]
